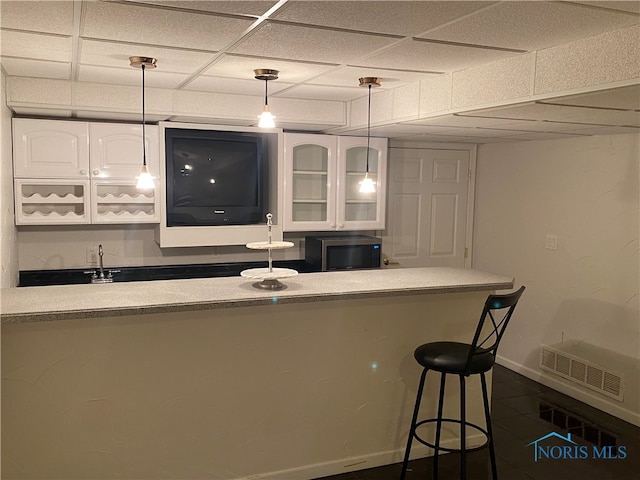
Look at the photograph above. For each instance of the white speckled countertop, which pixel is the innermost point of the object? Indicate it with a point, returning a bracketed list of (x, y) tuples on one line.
[(59, 302)]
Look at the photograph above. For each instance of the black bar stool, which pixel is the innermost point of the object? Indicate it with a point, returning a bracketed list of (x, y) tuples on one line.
[(463, 359)]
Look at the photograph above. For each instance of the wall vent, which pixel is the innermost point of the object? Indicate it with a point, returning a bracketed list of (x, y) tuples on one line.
[(581, 371)]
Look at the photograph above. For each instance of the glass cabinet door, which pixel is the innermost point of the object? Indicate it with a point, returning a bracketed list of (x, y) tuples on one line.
[(361, 210), (309, 192)]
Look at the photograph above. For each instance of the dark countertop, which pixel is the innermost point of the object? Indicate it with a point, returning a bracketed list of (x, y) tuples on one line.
[(76, 276)]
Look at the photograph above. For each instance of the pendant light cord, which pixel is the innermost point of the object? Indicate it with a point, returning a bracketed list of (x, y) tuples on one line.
[(266, 100), (144, 137), (368, 129)]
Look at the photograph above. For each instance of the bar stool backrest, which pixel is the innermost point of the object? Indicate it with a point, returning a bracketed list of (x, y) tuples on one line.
[(498, 309)]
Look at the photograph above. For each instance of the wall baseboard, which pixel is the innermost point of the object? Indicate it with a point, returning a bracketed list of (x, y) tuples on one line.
[(568, 388), (352, 464)]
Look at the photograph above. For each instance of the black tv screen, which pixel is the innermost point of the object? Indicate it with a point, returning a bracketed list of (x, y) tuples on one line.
[(214, 177)]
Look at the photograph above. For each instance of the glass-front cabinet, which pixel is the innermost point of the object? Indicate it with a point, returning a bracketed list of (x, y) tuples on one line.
[(322, 183)]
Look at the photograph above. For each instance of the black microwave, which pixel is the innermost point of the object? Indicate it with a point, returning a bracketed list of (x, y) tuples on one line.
[(343, 252)]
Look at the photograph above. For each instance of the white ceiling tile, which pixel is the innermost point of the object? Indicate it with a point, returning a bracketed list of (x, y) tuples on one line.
[(229, 7), (625, 5), (531, 25), (432, 57), (624, 98), (399, 18), (558, 113), (483, 132), (40, 16), (130, 117), (205, 83), (460, 121), (348, 76), (121, 22), (542, 136), (129, 76), (111, 54), (604, 130), (322, 92), (42, 112), (36, 46), (22, 67), (235, 66), (295, 42), (535, 126)]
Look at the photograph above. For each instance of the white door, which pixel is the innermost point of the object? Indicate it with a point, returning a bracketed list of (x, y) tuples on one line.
[(427, 211)]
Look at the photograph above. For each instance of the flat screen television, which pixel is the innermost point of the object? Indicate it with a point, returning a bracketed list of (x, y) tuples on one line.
[(215, 177)]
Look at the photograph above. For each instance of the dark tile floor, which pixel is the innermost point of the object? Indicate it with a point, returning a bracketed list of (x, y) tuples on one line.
[(523, 411)]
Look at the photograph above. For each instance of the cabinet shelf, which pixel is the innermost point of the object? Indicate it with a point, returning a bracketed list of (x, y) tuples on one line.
[(310, 172), (51, 199), (124, 198), (309, 200)]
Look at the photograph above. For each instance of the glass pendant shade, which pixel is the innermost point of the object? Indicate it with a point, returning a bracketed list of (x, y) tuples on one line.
[(367, 185), (267, 119), (145, 180)]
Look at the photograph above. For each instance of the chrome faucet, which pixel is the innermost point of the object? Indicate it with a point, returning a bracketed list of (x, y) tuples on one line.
[(98, 275)]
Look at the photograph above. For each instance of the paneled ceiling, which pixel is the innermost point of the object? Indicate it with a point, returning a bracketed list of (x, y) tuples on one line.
[(321, 49)]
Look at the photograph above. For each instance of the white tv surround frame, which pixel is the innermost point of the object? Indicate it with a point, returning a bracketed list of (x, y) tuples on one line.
[(205, 236)]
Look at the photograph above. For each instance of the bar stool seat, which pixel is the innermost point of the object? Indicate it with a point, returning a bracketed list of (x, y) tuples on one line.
[(463, 360)]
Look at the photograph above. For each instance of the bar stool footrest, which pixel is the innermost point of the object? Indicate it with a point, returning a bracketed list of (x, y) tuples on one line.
[(478, 428)]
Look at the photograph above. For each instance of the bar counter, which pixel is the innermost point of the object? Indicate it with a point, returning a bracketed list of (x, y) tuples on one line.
[(215, 379)]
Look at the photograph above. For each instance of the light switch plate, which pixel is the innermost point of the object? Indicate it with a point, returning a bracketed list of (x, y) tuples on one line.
[(551, 242)]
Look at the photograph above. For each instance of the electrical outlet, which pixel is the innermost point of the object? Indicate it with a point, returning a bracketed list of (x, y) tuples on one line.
[(92, 257)]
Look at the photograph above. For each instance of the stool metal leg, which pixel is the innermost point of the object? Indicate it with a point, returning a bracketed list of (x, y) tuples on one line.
[(414, 420), (487, 416), (436, 450), (463, 433)]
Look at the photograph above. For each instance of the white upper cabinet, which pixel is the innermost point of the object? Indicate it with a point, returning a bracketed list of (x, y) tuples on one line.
[(116, 150), (322, 181), (50, 149), (82, 172)]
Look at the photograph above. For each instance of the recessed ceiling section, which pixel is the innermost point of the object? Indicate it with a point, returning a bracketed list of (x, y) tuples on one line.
[(294, 42), (407, 18), (235, 86), (416, 55), (624, 98), (242, 67), (111, 54), (24, 67), (321, 92), (114, 21), (531, 25), (457, 120), (560, 113), (36, 46), (154, 78)]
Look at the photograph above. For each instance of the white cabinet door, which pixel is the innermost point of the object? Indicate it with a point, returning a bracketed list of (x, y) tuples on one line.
[(310, 182), (357, 210), (50, 149), (116, 150)]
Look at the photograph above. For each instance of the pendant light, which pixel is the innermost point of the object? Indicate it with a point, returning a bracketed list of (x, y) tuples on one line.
[(367, 185), (266, 118), (145, 180)]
